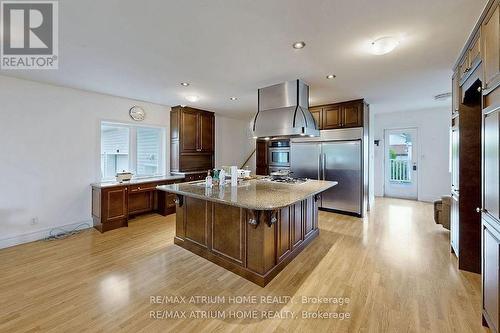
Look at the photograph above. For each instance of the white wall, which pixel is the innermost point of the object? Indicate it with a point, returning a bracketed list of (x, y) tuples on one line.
[(433, 135), (49, 153), (233, 142)]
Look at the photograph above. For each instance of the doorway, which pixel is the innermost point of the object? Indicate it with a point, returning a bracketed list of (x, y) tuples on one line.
[(400, 160)]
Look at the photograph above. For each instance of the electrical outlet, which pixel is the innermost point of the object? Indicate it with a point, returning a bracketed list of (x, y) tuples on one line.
[(34, 221)]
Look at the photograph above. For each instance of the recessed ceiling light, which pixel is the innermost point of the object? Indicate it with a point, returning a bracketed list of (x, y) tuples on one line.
[(184, 84), (192, 98), (299, 45), (233, 98), (331, 76), (383, 45)]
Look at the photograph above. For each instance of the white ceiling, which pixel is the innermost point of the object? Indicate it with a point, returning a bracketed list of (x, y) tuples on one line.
[(144, 49)]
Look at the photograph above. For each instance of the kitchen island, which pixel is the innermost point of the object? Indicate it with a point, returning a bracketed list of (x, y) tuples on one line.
[(254, 229)]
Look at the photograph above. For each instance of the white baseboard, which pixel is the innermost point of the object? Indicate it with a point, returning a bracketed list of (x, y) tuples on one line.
[(42, 234)]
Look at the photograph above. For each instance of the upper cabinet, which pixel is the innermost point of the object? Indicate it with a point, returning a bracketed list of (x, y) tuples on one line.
[(192, 137), (316, 113), (455, 92), (470, 59), (332, 116), (490, 34), (339, 115)]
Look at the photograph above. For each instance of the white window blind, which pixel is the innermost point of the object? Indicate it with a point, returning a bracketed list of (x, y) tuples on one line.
[(114, 150), (148, 151), (138, 149)]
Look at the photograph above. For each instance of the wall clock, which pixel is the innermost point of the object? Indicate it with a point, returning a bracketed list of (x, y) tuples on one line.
[(137, 113)]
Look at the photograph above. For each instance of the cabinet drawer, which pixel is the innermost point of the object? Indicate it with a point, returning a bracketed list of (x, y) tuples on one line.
[(142, 187)]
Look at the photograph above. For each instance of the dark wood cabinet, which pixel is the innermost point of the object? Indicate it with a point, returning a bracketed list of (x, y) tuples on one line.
[(340, 115), (192, 139), (262, 158), (332, 117), (352, 114), (455, 92), (188, 131), (491, 278), (113, 206), (317, 115), (490, 213), (490, 38)]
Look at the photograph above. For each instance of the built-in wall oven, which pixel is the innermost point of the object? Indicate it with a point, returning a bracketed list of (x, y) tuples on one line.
[(279, 154)]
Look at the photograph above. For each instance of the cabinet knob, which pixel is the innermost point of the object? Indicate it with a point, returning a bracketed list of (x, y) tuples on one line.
[(138, 187), (479, 210)]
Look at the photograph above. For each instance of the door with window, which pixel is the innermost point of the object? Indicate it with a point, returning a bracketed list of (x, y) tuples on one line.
[(401, 169)]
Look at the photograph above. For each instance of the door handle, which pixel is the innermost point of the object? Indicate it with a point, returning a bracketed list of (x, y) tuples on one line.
[(320, 166), (324, 165)]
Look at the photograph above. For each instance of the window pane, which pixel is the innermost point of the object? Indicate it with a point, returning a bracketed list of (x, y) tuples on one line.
[(148, 151), (114, 150)]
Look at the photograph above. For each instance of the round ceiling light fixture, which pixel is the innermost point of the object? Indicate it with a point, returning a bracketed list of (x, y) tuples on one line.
[(383, 45), (184, 84), (331, 76), (193, 98), (298, 45)]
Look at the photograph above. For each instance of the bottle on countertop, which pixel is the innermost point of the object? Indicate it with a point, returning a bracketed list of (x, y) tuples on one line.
[(208, 180), (222, 177)]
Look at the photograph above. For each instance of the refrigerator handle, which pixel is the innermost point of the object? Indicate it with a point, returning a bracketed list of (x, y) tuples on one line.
[(320, 166), (323, 167)]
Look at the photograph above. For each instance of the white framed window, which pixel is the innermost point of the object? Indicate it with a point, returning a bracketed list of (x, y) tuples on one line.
[(138, 149)]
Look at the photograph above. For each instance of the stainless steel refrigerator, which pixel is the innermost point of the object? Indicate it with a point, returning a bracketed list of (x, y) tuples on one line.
[(337, 157)]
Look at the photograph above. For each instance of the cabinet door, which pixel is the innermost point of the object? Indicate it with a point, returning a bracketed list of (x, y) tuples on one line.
[(316, 113), (475, 51), (490, 274), (491, 54), (491, 164), (206, 132), (140, 202), (189, 130), (455, 93), (352, 115), (115, 204), (454, 224), (261, 156), (332, 116), (463, 68), (455, 157)]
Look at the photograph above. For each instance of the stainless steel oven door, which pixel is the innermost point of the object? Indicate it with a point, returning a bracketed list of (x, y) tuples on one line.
[(279, 157)]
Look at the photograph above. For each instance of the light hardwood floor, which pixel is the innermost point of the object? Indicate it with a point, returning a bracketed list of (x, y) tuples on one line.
[(394, 266)]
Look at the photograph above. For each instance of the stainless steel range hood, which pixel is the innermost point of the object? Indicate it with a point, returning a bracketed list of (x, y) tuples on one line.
[(283, 111)]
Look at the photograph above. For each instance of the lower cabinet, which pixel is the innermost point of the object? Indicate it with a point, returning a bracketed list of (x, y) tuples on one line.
[(454, 223), (491, 256), (113, 206)]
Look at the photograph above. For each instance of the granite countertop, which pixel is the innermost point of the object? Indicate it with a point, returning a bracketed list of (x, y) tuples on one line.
[(137, 181), (255, 194)]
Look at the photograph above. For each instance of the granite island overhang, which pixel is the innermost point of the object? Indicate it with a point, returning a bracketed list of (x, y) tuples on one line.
[(254, 229)]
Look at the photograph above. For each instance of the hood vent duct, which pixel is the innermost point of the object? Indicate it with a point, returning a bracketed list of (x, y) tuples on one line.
[(283, 111)]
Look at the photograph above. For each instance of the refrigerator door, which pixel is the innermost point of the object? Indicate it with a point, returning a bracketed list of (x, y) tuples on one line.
[(305, 159), (342, 163)]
